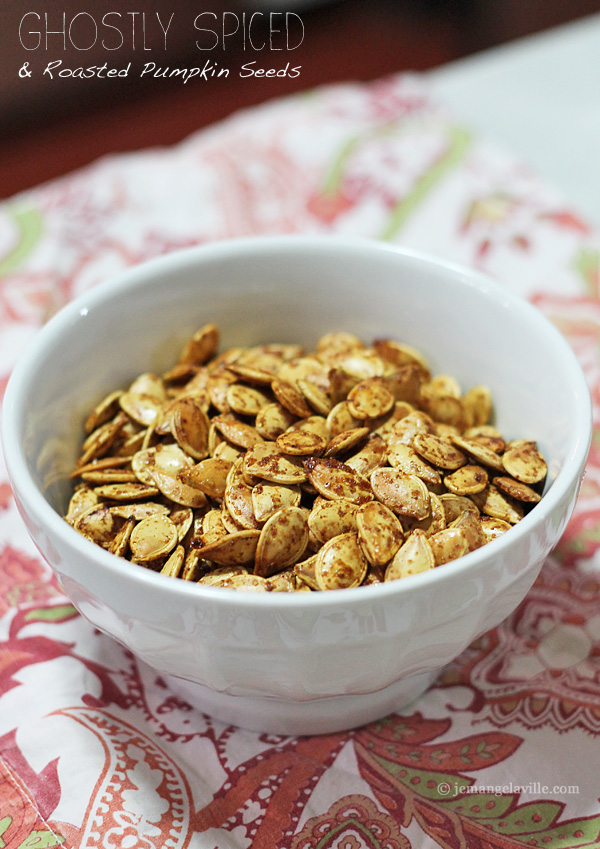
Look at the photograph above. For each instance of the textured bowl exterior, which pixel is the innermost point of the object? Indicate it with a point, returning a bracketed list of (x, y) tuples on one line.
[(293, 663)]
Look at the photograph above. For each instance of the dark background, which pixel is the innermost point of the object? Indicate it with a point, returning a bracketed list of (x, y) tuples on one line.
[(49, 127)]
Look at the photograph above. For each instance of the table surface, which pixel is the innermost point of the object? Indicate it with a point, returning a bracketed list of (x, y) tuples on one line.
[(539, 96)]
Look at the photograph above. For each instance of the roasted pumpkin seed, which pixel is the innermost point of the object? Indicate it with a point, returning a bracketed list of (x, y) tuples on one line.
[(105, 410), (340, 419), (370, 457), (285, 581), (448, 411), (439, 452), (400, 354), (229, 523), (201, 346), (194, 567), (384, 425), (234, 549), (441, 386), (143, 409), (454, 505), (516, 489), (101, 439), (282, 541), (346, 440), (370, 399), (316, 425), (403, 457), (305, 573), (97, 524), (470, 524), (265, 461), (106, 476), (492, 502), (300, 443), (150, 385), (246, 400), (238, 499), (268, 498), (447, 545), (409, 426), (120, 543), (152, 538), (333, 479), (493, 528), (182, 519), (435, 521), (405, 383), (178, 491), (525, 463), (189, 426), (174, 562), (363, 365), (273, 420), (328, 519), (340, 563), (379, 532), (81, 501), (479, 401), (467, 480), (479, 452), (208, 475), (412, 558), (126, 491), (290, 398), (406, 495), (139, 511), (169, 459), (236, 432), (316, 396)]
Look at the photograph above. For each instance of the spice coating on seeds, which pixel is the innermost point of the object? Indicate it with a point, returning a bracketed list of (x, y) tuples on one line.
[(270, 469)]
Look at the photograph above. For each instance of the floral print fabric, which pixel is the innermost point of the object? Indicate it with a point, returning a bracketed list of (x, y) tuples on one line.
[(502, 751)]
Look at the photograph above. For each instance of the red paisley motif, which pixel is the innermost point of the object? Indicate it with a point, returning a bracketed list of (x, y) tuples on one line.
[(396, 758), (5, 490), (23, 579), (353, 822), (541, 665)]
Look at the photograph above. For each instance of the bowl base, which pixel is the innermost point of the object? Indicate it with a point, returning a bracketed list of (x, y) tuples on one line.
[(314, 716)]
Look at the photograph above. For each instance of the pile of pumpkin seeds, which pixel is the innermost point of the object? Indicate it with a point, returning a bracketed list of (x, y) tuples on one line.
[(271, 469)]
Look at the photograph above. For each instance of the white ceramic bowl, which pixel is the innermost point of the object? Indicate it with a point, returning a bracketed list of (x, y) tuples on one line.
[(297, 663)]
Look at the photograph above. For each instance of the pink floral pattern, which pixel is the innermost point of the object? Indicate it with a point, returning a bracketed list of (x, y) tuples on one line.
[(95, 750)]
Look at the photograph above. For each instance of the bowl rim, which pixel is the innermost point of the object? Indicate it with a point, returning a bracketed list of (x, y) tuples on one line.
[(135, 277)]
